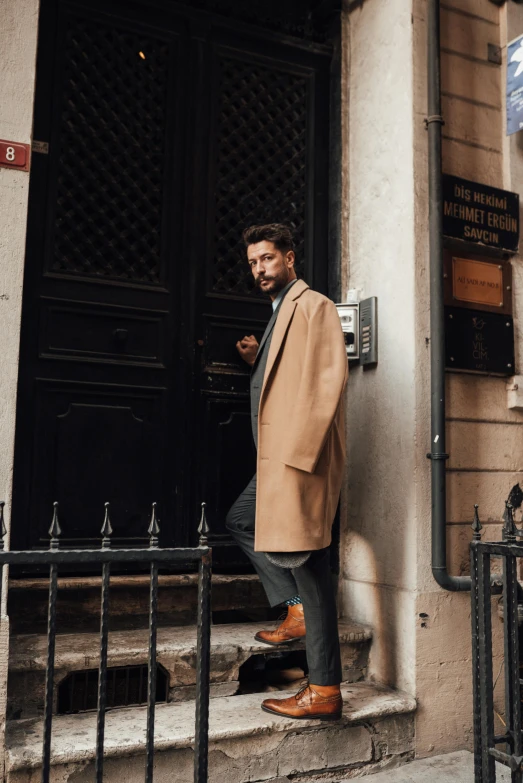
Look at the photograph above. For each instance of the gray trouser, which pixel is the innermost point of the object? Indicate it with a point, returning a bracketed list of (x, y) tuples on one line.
[(311, 581)]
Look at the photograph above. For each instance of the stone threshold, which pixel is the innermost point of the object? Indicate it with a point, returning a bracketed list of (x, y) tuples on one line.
[(231, 718), (80, 651), (126, 581)]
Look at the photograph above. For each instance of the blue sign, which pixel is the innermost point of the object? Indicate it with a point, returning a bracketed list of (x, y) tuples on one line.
[(515, 86)]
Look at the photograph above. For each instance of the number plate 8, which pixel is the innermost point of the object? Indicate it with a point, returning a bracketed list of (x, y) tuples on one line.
[(14, 155)]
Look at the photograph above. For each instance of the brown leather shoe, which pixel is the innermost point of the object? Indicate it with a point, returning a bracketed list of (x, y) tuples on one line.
[(313, 701), (293, 627)]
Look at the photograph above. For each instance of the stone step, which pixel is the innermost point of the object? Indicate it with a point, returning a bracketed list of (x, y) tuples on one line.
[(78, 605), (246, 744), (231, 647)]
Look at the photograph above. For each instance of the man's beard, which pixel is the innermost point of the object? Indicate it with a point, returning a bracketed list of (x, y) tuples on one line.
[(280, 284)]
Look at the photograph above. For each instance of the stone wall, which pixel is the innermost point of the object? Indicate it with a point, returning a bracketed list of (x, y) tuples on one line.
[(482, 433)]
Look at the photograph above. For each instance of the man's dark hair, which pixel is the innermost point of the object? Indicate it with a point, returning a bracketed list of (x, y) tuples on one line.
[(278, 233)]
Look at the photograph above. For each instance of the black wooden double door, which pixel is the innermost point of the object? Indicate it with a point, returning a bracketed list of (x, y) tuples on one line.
[(161, 133)]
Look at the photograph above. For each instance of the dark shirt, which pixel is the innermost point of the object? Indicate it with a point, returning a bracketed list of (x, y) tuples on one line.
[(260, 363)]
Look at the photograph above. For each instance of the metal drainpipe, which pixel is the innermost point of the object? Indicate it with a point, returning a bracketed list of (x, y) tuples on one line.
[(437, 455)]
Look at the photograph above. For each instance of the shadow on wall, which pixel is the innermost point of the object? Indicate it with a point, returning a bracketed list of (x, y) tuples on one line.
[(377, 612), (377, 504)]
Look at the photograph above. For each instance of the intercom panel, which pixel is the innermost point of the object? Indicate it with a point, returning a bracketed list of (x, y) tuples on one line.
[(369, 331), (349, 317)]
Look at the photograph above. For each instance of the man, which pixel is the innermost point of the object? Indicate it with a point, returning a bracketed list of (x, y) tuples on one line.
[(283, 519)]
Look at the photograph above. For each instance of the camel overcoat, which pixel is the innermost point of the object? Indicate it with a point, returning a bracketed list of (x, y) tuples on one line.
[(301, 432)]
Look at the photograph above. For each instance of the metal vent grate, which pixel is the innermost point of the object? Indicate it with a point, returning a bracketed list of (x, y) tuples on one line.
[(126, 687)]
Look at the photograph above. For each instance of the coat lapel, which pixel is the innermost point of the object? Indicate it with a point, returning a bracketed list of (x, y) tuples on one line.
[(286, 311)]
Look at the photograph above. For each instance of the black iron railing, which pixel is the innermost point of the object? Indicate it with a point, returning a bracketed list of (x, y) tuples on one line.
[(156, 557), (506, 748)]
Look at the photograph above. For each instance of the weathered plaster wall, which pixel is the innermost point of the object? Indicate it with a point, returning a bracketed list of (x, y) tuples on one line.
[(378, 578), (18, 35)]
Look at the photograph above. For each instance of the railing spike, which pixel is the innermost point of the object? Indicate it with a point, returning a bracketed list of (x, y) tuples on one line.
[(107, 529), (3, 529), (55, 531), (203, 527), (509, 528), (154, 528), (476, 524), (515, 497)]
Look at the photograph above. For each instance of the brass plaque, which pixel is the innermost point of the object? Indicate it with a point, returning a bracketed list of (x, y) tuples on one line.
[(477, 282)]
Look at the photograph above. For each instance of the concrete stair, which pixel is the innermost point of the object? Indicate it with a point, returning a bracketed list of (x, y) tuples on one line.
[(231, 646), (246, 744), (78, 605)]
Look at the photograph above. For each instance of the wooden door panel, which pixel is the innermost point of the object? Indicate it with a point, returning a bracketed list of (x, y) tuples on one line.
[(94, 444), (221, 335), (231, 458), (87, 331), (100, 358)]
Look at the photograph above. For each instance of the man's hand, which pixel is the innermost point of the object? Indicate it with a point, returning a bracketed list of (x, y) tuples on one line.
[(248, 348)]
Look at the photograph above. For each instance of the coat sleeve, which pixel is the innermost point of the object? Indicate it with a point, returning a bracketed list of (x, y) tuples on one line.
[(320, 389)]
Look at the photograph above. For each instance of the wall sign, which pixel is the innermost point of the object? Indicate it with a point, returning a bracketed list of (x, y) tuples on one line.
[(478, 341), (480, 214), (477, 283), (41, 147), (14, 155)]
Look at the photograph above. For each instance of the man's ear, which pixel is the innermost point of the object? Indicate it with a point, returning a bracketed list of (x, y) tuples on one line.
[(290, 258)]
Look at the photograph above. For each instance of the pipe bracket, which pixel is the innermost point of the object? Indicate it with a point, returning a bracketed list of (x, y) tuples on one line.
[(434, 118), (437, 455)]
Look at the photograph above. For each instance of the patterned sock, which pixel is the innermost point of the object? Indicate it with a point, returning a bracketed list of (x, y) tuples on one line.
[(293, 601)]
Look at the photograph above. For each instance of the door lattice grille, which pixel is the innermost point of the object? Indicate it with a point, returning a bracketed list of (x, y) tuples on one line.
[(262, 151), (111, 157)]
